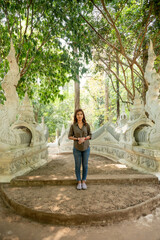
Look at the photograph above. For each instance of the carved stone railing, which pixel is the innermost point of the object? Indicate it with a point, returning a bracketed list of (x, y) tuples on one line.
[(138, 157)]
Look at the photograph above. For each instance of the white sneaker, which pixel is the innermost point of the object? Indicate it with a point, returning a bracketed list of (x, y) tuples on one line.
[(84, 186), (79, 186)]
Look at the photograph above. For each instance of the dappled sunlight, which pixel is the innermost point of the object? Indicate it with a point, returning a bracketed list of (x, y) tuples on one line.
[(11, 219), (68, 177), (60, 234), (54, 178), (54, 208), (38, 208), (121, 166), (42, 177), (118, 166), (98, 166), (60, 197), (34, 177)]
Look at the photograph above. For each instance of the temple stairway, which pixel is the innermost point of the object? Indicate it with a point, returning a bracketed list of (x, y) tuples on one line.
[(114, 193)]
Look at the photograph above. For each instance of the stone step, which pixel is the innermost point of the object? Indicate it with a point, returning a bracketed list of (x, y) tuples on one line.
[(92, 179), (64, 205)]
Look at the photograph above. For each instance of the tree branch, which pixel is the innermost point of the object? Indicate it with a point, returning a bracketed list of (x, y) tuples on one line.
[(110, 23), (6, 14), (99, 35), (116, 90), (20, 27), (26, 21), (144, 34), (31, 22), (25, 61), (31, 60), (109, 54), (87, 88), (121, 10), (116, 29), (109, 68), (124, 74), (132, 77)]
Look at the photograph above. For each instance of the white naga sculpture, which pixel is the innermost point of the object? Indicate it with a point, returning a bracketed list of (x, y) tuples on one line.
[(9, 86), (22, 140), (9, 110), (141, 130), (152, 106)]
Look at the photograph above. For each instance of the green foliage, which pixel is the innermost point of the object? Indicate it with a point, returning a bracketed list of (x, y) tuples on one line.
[(92, 98), (45, 34), (120, 34), (54, 39), (55, 114)]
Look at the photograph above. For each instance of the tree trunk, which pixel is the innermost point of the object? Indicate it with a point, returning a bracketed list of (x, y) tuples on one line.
[(76, 88), (36, 116), (145, 58), (106, 97), (77, 94), (117, 85)]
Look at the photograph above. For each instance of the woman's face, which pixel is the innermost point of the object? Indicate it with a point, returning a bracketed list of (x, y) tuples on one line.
[(79, 116)]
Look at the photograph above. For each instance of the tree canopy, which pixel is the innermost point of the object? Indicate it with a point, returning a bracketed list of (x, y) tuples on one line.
[(121, 32), (54, 40), (44, 35)]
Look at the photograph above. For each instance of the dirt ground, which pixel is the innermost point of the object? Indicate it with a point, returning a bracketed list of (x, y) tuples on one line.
[(63, 165), (97, 199), (16, 227)]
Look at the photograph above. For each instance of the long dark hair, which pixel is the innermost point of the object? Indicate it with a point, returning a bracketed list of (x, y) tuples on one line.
[(75, 118)]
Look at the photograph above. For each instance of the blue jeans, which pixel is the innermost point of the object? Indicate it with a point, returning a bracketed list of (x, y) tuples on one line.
[(81, 157)]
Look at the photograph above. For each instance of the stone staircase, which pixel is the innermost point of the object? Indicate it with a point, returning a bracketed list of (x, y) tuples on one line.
[(114, 193)]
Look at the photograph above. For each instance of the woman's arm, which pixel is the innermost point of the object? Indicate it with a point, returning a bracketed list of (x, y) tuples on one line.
[(83, 139), (88, 137), (89, 134), (71, 133), (73, 138)]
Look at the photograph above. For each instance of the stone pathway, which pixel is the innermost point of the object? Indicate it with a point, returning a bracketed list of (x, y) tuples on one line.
[(111, 187)]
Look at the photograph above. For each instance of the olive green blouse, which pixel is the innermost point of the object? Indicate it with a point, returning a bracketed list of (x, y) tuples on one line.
[(77, 132)]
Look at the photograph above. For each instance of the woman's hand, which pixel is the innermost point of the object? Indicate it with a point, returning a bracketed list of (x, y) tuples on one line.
[(81, 140)]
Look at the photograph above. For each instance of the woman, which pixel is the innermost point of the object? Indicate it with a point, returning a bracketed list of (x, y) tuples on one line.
[(80, 133)]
